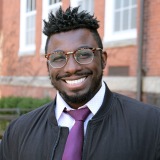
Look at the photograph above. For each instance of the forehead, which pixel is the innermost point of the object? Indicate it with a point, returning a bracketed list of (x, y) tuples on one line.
[(72, 40)]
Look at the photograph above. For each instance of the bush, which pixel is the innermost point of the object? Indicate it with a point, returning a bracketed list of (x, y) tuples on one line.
[(22, 102)]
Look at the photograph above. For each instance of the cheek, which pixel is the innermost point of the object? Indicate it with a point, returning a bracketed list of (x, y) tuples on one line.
[(104, 60), (103, 64), (99, 64), (52, 73)]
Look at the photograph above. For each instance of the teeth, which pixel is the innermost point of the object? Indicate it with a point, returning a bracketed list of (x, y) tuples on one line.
[(78, 81)]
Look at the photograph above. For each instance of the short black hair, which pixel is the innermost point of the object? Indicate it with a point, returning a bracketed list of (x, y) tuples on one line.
[(68, 20)]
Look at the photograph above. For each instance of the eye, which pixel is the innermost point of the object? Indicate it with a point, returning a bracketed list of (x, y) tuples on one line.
[(84, 54), (57, 57)]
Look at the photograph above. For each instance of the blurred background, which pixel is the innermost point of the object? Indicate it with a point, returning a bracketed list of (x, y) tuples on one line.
[(130, 31)]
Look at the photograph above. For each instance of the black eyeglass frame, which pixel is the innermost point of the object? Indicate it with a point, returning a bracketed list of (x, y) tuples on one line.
[(47, 55)]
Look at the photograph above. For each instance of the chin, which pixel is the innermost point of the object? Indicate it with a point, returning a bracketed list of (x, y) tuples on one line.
[(77, 97)]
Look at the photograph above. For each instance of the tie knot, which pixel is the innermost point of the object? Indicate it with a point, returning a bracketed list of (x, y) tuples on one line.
[(79, 114)]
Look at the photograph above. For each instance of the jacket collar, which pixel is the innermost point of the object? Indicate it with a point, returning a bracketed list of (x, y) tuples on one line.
[(104, 109), (106, 105)]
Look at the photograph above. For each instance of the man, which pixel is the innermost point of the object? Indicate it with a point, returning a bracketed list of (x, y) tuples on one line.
[(116, 127)]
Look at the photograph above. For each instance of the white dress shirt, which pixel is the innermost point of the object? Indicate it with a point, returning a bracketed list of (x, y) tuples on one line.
[(66, 120)]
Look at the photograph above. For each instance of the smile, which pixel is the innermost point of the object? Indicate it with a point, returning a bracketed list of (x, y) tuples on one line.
[(77, 81)]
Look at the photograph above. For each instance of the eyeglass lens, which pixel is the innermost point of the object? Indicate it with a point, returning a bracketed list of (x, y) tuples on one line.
[(83, 56)]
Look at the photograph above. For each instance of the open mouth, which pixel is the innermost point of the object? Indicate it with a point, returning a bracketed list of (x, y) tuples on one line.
[(75, 82)]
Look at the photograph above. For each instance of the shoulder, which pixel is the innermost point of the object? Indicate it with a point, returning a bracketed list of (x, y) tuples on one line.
[(135, 107), (38, 111), (28, 120), (27, 125)]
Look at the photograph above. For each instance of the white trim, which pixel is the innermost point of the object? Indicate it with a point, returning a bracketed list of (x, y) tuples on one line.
[(45, 10), (117, 84), (121, 43), (151, 84), (40, 81), (109, 34), (25, 49), (86, 5), (121, 83)]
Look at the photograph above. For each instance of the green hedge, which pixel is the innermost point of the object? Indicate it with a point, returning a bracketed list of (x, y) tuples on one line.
[(22, 102)]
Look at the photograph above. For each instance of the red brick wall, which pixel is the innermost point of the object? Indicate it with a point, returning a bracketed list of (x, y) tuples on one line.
[(10, 30), (151, 55), (20, 65), (122, 56), (125, 56), (99, 10), (66, 3), (35, 65), (26, 91), (1, 6)]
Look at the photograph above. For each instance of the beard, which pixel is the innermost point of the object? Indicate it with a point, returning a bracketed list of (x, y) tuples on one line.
[(83, 98), (77, 98)]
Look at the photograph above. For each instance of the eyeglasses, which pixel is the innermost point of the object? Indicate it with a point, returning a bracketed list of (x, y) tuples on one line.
[(58, 59)]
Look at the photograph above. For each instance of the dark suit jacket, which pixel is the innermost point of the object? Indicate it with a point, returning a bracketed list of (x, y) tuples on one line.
[(122, 129)]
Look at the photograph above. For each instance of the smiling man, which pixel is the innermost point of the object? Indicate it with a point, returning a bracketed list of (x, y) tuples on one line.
[(86, 121), (75, 64)]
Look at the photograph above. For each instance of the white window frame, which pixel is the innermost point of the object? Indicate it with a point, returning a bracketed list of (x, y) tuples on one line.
[(46, 8), (87, 5), (25, 49), (112, 38)]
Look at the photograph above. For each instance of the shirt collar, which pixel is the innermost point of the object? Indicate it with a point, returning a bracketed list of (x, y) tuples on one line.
[(94, 104)]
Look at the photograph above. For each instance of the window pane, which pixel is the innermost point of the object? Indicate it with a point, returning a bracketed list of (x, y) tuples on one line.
[(88, 6), (133, 18), (125, 19), (28, 9), (117, 21), (30, 30), (118, 4), (31, 5), (125, 3), (125, 15), (54, 1), (51, 2), (134, 2)]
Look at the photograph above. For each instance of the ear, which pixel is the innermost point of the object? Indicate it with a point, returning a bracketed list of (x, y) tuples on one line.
[(104, 59)]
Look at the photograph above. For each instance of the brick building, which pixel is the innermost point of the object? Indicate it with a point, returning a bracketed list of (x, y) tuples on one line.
[(130, 30)]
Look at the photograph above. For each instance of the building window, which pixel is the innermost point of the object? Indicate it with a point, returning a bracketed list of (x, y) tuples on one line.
[(54, 1), (48, 6), (27, 27), (87, 5), (120, 20), (53, 5), (124, 15)]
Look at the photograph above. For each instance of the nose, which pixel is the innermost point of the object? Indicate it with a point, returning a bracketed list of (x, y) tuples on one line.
[(72, 66)]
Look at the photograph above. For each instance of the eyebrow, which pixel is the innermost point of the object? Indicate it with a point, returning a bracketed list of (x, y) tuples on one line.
[(84, 47), (71, 51)]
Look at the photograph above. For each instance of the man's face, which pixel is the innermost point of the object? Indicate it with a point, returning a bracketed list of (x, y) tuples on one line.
[(77, 83)]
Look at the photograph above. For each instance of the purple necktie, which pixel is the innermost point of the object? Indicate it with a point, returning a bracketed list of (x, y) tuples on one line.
[(74, 143)]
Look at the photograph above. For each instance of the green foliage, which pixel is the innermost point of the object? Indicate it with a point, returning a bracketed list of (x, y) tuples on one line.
[(22, 102)]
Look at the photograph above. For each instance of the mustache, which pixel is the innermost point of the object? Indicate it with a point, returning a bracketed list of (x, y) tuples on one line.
[(66, 75)]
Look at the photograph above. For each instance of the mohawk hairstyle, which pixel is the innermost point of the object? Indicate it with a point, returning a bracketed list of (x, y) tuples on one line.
[(68, 20)]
